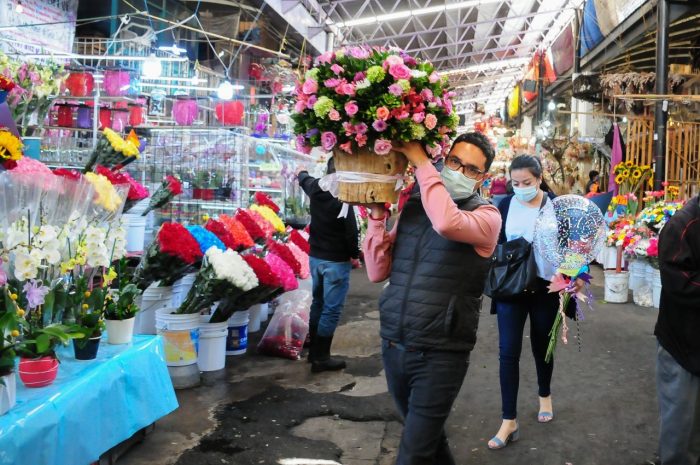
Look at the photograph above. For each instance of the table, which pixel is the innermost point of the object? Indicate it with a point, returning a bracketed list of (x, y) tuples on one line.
[(91, 407)]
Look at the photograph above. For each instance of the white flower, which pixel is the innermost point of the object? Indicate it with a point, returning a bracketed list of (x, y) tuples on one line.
[(230, 266), (363, 84), (46, 234), (26, 266), (416, 73)]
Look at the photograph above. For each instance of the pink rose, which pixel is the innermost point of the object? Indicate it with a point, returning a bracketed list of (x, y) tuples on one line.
[(430, 121), (393, 60), (361, 140), (328, 141), (346, 147), (380, 125), (336, 68), (400, 72), (434, 77), (361, 128), (426, 94), (396, 90), (382, 147), (346, 89), (351, 108), (334, 115), (310, 87), (332, 83), (418, 117), (383, 113)]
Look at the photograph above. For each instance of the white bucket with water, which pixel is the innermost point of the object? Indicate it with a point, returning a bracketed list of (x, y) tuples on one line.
[(264, 312), (616, 287), (637, 274), (135, 232), (152, 299), (181, 336), (237, 339), (656, 288), (212, 344), (181, 287)]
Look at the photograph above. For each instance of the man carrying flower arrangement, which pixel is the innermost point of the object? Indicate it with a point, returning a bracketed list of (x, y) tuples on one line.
[(677, 330), (334, 246), (437, 259)]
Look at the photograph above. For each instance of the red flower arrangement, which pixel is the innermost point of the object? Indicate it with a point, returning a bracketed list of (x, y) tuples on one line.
[(174, 253), (263, 271), (219, 230), (174, 185), (285, 254), (168, 190), (265, 225), (263, 199), (296, 238), (239, 233), (249, 223)]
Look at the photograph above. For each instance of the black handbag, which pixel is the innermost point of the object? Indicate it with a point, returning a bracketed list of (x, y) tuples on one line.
[(513, 268)]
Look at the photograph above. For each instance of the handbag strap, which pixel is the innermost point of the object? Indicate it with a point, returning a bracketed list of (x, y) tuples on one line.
[(544, 200)]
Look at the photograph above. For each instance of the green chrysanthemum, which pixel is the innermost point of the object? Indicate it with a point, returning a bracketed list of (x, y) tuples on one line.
[(323, 106), (405, 85), (417, 131), (376, 74), (312, 74)]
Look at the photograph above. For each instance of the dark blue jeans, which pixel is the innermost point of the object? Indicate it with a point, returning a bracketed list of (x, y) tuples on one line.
[(331, 281), (424, 386), (542, 308)]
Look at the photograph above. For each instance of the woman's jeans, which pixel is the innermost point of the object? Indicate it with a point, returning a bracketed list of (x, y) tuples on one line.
[(542, 308), (331, 281)]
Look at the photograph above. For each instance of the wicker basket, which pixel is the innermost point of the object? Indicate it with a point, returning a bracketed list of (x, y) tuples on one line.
[(366, 161)]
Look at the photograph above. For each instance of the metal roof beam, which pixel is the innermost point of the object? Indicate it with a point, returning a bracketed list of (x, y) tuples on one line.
[(297, 16), (468, 41)]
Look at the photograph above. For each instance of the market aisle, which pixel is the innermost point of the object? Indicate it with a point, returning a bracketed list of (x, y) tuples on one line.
[(263, 409)]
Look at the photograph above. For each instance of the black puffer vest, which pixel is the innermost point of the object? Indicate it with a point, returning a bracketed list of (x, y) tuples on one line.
[(433, 298)]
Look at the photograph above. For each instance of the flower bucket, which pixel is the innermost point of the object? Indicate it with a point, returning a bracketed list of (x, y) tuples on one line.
[(38, 372), (120, 331), (181, 339), (616, 287), (8, 393), (264, 312), (135, 232), (152, 299), (88, 350), (656, 288), (365, 177), (212, 345), (254, 319), (237, 339), (637, 274), (181, 287)]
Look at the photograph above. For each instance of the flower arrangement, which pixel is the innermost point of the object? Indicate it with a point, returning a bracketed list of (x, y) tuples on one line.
[(656, 216), (10, 149), (263, 199), (622, 205), (224, 275), (302, 258), (269, 215), (107, 196), (282, 251), (296, 238), (137, 191), (113, 151), (362, 97), (248, 221), (120, 303), (267, 227), (170, 188), (220, 231), (205, 238), (241, 238), (630, 177), (173, 253), (280, 268)]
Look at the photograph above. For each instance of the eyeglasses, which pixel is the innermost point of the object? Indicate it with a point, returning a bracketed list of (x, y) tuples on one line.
[(470, 171)]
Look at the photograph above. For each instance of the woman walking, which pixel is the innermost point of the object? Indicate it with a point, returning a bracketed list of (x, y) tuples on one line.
[(519, 213)]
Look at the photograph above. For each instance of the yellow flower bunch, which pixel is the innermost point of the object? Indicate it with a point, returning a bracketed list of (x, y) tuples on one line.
[(270, 216), (126, 147), (10, 146), (108, 277), (107, 196)]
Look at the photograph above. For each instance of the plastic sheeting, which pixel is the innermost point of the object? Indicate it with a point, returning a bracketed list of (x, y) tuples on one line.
[(91, 407)]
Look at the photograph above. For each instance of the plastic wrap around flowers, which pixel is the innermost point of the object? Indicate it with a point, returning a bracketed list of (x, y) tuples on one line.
[(283, 271), (569, 233), (205, 239)]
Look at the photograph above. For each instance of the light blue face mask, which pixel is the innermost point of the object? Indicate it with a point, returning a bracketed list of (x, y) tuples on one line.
[(525, 194), (458, 185)]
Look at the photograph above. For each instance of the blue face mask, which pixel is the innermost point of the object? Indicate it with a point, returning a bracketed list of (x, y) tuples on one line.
[(458, 185), (525, 194)]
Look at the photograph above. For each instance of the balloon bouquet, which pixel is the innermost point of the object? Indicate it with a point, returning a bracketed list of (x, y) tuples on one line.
[(569, 234)]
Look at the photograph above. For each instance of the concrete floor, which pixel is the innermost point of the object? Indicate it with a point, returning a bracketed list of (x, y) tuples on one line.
[(263, 410)]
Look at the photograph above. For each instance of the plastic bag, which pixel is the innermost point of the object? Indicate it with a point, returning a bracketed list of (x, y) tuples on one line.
[(286, 332)]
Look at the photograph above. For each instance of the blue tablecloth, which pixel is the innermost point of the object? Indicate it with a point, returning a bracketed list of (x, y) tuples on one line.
[(90, 408)]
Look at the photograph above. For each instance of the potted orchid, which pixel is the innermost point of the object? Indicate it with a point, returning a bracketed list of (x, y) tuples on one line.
[(359, 102), (120, 306)]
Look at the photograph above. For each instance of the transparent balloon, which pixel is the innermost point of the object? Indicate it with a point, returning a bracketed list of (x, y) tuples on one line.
[(569, 233)]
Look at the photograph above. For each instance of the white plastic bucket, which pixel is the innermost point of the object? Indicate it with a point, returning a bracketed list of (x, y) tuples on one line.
[(181, 287), (637, 274), (152, 299), (616, 287), (254, 319), (264, 312), (181, 336), (656, 288), (135, 232), (8, 393), (237, 339), (120, 331), (212, 344)]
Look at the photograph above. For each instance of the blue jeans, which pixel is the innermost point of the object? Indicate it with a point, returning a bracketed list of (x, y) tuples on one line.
[(542, 309), (679, 406), (424, 386), (331, 281)]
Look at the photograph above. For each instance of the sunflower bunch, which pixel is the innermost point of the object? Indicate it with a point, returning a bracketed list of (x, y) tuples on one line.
[(630, 177), (10, 147)]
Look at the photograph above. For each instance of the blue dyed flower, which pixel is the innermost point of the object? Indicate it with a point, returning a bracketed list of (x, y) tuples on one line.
[(205, 239)]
